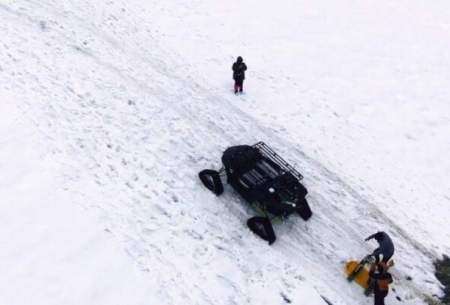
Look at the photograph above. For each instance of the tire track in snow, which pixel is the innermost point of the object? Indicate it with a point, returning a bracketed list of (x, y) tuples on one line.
[(133, 250), (188, 104)]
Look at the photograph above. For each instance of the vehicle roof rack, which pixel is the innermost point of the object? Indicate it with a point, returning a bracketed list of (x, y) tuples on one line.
[(272, 155)]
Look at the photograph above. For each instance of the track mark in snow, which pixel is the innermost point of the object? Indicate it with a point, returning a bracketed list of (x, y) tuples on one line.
[(148, 155)]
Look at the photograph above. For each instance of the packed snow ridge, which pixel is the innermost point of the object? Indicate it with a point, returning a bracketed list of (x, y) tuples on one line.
[(109, 109)]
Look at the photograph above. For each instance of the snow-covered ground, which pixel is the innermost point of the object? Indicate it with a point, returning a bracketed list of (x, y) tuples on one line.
[(109, 110)]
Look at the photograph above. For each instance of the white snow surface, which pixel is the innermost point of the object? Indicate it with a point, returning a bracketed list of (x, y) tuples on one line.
[(109, 109)]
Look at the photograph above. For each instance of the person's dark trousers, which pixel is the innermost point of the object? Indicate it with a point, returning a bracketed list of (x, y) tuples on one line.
[(238, 85), (379, 297)]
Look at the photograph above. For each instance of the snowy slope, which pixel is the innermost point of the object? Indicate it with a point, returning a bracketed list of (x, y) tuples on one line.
[(362, 86), (52, 251), (123, 107)]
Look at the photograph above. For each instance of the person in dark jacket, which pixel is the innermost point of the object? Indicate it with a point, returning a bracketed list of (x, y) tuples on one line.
[(385, 249), (239, 68), (379, 280), (382, 254)]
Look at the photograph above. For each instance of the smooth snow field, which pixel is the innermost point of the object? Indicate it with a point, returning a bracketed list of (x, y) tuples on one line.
[(109, 109)]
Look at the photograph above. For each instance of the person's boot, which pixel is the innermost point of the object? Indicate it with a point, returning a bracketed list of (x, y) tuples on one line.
[(371, 286), (368, 291)]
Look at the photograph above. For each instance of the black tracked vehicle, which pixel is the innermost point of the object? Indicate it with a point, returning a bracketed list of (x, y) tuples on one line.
[(264, 180)]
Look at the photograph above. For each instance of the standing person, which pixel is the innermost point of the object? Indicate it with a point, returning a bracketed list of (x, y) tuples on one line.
[(239, 68), (379, 281)]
